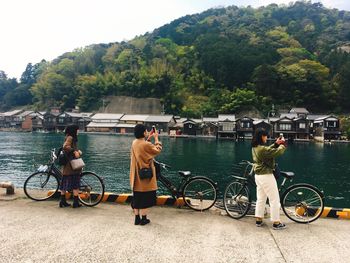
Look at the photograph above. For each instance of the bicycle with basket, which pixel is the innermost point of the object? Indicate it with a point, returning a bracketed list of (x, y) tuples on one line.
[(302, 203), (44, 183)]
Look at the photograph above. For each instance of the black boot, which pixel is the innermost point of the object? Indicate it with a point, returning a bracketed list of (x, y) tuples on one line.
[(76, 203), (137, 219), (144, 221), (63, 202)]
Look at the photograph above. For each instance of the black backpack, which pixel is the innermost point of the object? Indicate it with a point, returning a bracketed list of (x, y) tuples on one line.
[(62, 157)]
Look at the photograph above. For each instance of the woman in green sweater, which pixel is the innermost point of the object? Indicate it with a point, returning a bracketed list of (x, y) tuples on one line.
[(266, 184)]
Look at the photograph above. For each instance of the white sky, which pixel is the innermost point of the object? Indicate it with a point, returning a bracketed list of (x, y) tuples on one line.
[(32, 30)]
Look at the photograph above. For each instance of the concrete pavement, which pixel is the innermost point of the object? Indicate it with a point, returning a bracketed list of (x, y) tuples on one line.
[(41, 232)]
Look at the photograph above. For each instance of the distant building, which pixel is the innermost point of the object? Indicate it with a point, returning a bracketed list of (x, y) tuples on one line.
[(227, 125), (82, 119), (37, 121), (26, 120), (284, 125), (327, 128), (104, 122), (263, 124), (11, 119), (161, 122), (190, 127), (128, 122), (178, 127), (210, 126), (245, 127)]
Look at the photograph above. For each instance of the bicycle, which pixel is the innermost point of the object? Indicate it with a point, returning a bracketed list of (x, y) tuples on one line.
[(44, 184), (198, 192), (302, 203)]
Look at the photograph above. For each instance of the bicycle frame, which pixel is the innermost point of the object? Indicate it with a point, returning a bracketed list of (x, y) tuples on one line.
[(249, 180), (176, 192)]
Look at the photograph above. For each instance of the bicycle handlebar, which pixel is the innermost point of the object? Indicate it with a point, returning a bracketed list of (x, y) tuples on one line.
[(165, 166), (53, 155), (246, 162)]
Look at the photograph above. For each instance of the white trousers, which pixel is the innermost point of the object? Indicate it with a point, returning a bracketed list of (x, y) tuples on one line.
[(267, 188)]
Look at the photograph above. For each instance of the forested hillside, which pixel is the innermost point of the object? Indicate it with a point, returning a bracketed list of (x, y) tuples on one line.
[(220, 61)]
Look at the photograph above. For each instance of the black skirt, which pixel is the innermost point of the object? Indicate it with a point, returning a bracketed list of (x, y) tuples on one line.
[(70, 182), (142, 200)]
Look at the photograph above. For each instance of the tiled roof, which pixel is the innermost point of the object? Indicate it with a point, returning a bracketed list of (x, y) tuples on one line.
[(12, 113), (78, 114), (289, 115), (299, 110), (313, 117), (25, 113), (134, 117), (159, 118), (224, 117), (125, 125), (107, 116), (102, 125), (209, 119)]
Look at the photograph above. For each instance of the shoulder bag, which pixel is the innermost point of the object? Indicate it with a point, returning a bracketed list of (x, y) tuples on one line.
[(77, 164), (144, 173)]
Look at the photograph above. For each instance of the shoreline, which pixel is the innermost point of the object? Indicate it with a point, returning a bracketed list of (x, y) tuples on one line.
[(179, 136)]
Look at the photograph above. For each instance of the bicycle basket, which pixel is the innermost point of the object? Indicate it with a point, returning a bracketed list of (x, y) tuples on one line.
[(242, 169)]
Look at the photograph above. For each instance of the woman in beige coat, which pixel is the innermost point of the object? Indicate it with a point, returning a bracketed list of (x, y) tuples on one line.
[(144, 190)]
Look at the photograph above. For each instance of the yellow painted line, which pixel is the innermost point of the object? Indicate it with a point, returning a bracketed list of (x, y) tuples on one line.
[(345, 214), (122, 198), (162, 199), (180, 202), (105, 197), (326, 211)]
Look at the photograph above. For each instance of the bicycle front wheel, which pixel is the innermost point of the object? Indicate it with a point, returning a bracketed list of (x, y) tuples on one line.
[(41, 186), (303, 203), (236, 200), (199, 193), (91, 190)]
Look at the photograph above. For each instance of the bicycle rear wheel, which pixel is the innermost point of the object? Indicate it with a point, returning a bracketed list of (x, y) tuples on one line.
[(303, 203), (41, 186), (199, 193), (91, 190), (236, 200)]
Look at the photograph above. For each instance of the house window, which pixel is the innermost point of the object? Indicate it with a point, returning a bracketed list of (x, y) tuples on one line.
[(245, 124), (331, 124), (227, 126), (285, 126), (61, 120), (302, 125)]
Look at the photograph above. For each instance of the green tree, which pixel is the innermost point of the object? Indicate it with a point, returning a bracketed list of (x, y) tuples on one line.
[(239, 100)]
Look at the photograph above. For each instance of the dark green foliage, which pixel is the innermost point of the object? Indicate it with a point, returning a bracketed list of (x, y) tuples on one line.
[(223, 60)]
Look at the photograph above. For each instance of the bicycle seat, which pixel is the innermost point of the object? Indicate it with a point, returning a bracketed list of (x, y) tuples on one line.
[(288, 175), (184, 173)]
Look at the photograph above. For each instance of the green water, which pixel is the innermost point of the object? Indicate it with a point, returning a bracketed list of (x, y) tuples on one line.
[(326, 166)]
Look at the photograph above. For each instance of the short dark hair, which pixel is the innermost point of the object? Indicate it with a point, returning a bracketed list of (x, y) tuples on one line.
[(257, 138), (139, 131), (71, 130)]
